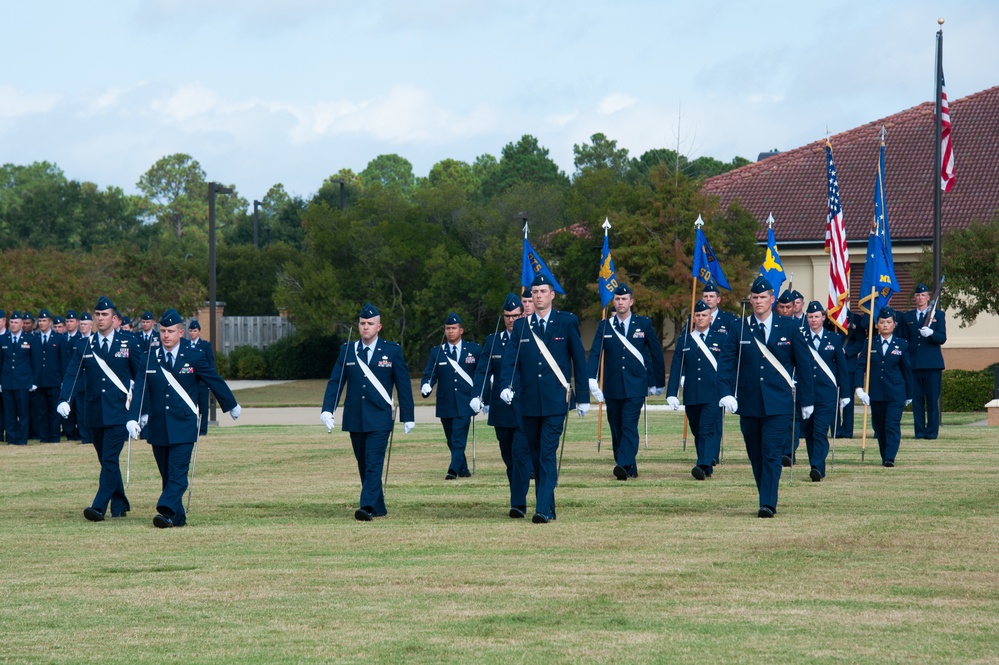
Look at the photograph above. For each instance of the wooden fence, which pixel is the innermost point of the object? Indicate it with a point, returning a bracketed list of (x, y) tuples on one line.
[(256, 331)]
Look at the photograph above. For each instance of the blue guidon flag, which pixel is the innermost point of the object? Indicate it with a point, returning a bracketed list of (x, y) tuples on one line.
[(532, 266), (706, 266)]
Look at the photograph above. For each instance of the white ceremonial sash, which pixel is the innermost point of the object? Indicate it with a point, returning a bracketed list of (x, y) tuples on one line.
[(822, 364), (370, 376), (628, 345), (773, 361), (705, 350), (172, 380), (114, 379), (457, 368), (551, 363)]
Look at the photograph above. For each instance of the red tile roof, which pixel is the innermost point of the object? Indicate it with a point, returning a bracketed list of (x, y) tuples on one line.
[(792, 184)]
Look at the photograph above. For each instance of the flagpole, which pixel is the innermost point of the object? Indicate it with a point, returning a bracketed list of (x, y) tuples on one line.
[(600, 405), (867, 372), (937, 164), (690, 328)]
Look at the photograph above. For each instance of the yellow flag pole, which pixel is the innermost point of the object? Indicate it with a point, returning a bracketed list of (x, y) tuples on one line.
[(600, 406), (867, 372)]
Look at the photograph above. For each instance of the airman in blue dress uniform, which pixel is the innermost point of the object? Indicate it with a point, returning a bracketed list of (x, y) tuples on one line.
[(502, 416), (370, 368), (772, 348), (451, 366), (171, 381), (146, 336), (546, 357), (78, 401), (19, 368), (51, 349), (721, 321), (853, 343), (696, 362), (633, 368), (195, 342), (890, 389), (108, 364), (925, 332), (832, 381)]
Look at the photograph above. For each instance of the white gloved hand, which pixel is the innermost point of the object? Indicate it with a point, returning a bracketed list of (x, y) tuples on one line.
[(673, 402), (730, 403), (326, 418), (408, 427), (235, 411), (682, 379), (133, 429), (507, 395), (425, 389), (908, 402), (63, 409), (863, 397), (143, 420), (659, 390), (926, 331), (485, 410), (806, 412), (844, 402), (32, 389), (475, 405), (582, 408), (595, 390)]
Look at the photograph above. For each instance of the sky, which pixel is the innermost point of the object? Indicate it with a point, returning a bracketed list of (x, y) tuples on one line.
[(291, 91)]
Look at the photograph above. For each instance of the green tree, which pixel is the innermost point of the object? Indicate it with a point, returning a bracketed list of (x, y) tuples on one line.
[(390, 171), (603, 153), (525, 162), (176, 189), (247, 277)]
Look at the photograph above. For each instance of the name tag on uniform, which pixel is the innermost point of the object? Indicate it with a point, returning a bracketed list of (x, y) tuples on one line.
[(443, 363), (608, 336), (349, 362), (150, 371), (496, 355)]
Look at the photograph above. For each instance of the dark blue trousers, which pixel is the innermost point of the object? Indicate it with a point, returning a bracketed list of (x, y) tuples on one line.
[(543, 434), (816, 430), (517, 458), (108, 442), (622, 416), (886, 418), (45, 415), (80, 407), (765, 438), (15, 411), (926, 402), (203, 408), (456, 432), (173, 462), (369, 451), (705, 423)]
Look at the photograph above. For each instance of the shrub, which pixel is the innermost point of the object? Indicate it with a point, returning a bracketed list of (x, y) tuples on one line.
[(965, 391), (222, 366), (247, 362), (302, 357)]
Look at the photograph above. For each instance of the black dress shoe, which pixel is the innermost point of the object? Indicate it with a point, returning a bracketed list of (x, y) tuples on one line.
[(451, 475), (93, 514), (620, 473), (698, 473), (889, 463), (363, 514), (765, 511), (123, 513), (540, 519), (163, 522), (517, 513), (815, 475), (785, 461), (465, 474), (930, 437)]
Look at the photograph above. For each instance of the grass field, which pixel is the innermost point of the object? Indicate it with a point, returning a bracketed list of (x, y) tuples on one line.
[(870, 565), (306, 393)]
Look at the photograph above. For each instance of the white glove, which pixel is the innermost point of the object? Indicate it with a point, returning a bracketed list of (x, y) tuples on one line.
[(806, 412), (408, 427), (32, 389), (485, 410), (730, 403), (863, 397), (326, 418), (595, 390), (582, 408), (133, 429), (659, 390), (143, 420), (475, 405), (673, 402), (235, 411), (926, 331), (844, 402), (682, 379), (425, 389), (908, 402), (507, 395), (63, 409)]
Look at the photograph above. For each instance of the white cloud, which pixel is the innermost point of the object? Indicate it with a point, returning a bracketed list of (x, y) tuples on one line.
[(186, 102), (615, 102), (14, 102)]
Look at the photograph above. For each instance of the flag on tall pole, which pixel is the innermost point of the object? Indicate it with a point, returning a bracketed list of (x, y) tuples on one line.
[(772, 267), (943, 165), (879, 267), (946, 148), (533, 264), (607, 278), (838, 303), (706, 266)]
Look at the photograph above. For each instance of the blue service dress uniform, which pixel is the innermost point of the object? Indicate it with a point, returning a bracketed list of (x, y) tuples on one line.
[(542, 401), (927, 363), (106, 410), (454, 393), (51, 351), (366, 414), (70, 426), (504, 418), (173, 425), (700, 391), (890, 386), (827, 393), (627, 379), (764, 395), (853, 343), (19, 368), (203, 402)]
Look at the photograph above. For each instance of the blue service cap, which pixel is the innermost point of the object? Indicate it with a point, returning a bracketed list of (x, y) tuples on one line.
[(71, 314), (761, 285), (126, 320), (525, 292), (147, 316), (511, 303), (701, 306), (814, 306), (44, 314), (3, 314), (15, 315), (710, 286), (921, 288), (542, 279), (796, 295), (104, 303), (27, 316), (86, 317), (194, 325), (452, 319), (169, 318), (786, 297), (623, 290), (58, 319), (886, 312), (368, 311)]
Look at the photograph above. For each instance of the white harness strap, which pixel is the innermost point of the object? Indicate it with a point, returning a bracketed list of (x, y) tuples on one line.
[(822, 364), (773, 361), (706, 351), (172, 380), (457, 368), (114, 379), (551, 363), (370, 376), (628, 345)]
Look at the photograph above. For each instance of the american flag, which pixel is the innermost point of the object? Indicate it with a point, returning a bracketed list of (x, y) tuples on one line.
[(946, 147), (838, 304)]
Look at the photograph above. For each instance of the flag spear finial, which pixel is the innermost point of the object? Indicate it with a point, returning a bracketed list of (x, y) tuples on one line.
[(770, 221), (606, 225), (700, 222), (883, 133)]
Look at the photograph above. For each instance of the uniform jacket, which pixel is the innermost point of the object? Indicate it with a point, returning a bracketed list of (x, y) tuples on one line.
[(723, 323), (364, 410), (105, 403), (540, 391), (453, 392), (204, 347), (171, 420), (762, 389), (891, 373), (154, 341), (488, 368), (700, 385), (50, 360), (19, 363), (831, 351), (624, 375), (924, 352)]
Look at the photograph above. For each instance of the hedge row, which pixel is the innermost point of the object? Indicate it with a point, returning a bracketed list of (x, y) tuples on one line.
[(962, 390), (295, 357)]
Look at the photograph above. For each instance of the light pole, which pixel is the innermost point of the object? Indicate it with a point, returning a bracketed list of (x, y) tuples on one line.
[(213, 189), (256, 223), (340, 181)]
